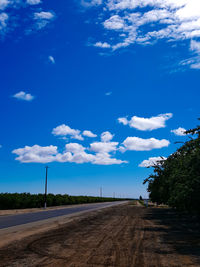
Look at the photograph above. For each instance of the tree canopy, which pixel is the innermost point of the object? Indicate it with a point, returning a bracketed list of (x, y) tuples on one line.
[(176, 180), (27, 200)]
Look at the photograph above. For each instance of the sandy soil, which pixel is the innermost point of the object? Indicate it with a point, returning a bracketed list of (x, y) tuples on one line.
[(120, 236)]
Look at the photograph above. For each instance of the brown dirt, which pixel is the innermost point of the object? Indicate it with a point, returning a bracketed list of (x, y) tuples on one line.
[(121, 236)]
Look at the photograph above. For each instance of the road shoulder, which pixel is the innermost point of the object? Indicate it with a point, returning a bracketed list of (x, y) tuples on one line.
[(16, 233)]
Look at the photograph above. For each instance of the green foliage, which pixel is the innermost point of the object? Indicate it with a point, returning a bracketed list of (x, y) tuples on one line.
[(176, 181), (27, 200)]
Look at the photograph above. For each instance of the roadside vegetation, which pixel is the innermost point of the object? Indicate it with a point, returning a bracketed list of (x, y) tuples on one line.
[(176, 181), (27, 200), (141, 201)]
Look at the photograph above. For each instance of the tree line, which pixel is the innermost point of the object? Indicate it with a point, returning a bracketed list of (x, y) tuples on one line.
[(176, 180), (27, 200)]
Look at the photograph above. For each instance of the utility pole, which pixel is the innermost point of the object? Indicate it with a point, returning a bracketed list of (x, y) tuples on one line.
[(100, 191), (113, 194), (45, 194)]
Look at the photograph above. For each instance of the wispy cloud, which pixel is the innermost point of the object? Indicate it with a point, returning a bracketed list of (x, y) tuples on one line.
[(29, 21), (144, 22), (90, 3), (51, 59), (43, 18), (24, 96), (4, 4), (108, 93), (33, 2), (3, 22)]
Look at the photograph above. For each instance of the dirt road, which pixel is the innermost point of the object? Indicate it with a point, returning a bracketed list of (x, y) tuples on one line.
[(123, 236)]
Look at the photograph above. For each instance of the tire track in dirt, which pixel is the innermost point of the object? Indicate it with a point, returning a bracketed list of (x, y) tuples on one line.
[(80, 248), (123, 236)]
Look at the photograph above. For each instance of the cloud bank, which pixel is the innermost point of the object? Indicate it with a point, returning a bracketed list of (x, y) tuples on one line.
[(102, 152), (73, 153)]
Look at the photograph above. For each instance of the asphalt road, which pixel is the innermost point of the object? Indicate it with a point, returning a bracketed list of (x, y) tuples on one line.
[(19, 219)]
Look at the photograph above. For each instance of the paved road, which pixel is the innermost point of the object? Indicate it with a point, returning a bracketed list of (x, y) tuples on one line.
[(14, 220)]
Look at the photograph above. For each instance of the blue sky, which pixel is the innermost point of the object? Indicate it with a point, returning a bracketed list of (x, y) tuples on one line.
[(98, 90)]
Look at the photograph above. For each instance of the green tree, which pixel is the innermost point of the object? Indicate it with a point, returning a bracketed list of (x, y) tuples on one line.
[(176, 181)]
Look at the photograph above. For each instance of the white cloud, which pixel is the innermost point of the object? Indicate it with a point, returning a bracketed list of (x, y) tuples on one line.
[(151, 162), (140, 144), (4, 4), (73, 153), (105, 159), (3, 21), (51, 59), (82, 157), (36, 154), (122, 120), (89, 134), (195, 65), (108, 93), (194, 62), (33, 2), (106, 136), (147, 21), (180, 131), (103, 147), (24, 96), (195, 46), (64, 130), (78, 155), (44, 15), (133, 4), (38, 20), (91, 3), (102, 45), (78, 137), (114, 23), (43, 18), (147, 124), (74, 147)]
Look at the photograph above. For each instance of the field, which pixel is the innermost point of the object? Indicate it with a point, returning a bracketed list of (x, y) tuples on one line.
[(122, 236)]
